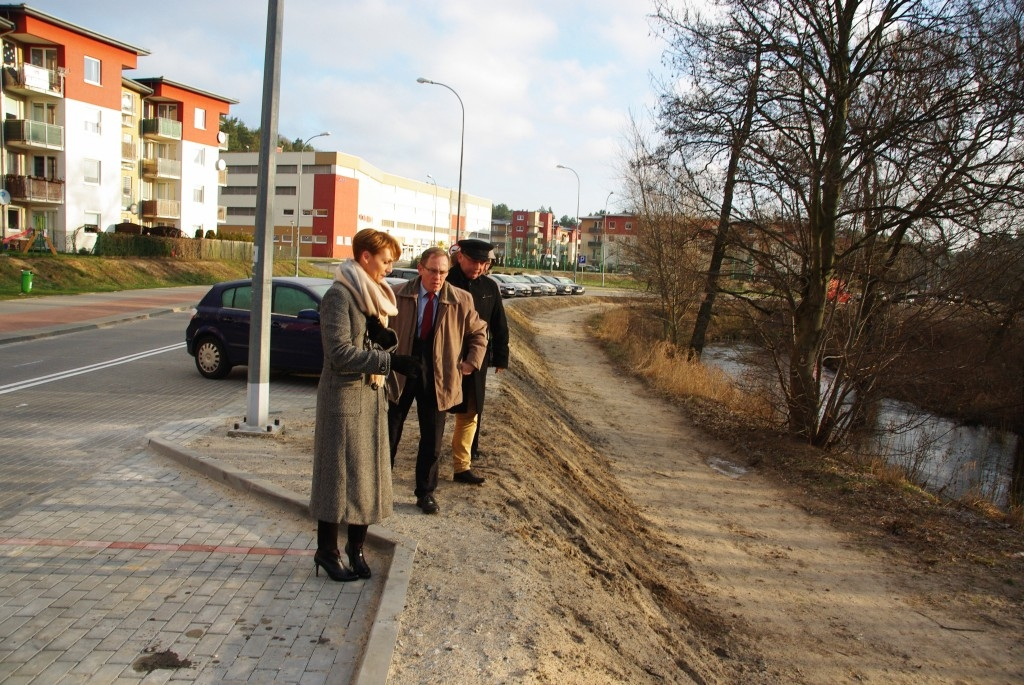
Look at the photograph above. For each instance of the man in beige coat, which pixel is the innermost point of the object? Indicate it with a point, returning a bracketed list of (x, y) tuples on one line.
[(437, 324)]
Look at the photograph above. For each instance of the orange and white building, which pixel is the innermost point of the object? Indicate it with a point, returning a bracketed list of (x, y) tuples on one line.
[(322, 206), (85, 148)]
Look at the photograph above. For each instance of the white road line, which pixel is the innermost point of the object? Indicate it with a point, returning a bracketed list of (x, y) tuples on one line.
[(41, 380)]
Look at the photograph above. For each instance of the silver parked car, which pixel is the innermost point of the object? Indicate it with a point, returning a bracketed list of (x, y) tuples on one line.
[(546, 288), (522, 289)]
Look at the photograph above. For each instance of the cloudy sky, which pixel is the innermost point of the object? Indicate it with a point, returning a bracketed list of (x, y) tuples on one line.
[(543, 82)]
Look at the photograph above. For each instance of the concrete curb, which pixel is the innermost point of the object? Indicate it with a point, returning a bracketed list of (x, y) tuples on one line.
[(375, 660), (61, 329)]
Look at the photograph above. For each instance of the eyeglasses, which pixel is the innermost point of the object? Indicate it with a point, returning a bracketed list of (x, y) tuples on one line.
[(436, 272)]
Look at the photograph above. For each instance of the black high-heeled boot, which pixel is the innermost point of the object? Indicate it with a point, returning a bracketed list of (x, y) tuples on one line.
[(330, 560), (327, 554), (354, 551)]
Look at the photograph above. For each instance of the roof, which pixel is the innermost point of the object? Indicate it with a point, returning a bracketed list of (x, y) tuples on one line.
[(49, 18), (154, 81)]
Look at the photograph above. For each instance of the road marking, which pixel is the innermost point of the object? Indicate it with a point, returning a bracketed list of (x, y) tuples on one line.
[(41, 380), (154, 546)]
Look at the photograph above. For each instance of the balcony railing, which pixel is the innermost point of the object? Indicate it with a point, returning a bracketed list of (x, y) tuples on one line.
[(129, 151), (161, 128), (222, 177), (222, 214), (161, 209), (28, 78), (34, 134), (161, 167), (33, 189)]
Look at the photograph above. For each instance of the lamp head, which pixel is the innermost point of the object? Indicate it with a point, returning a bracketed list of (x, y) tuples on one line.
[(423, 80)]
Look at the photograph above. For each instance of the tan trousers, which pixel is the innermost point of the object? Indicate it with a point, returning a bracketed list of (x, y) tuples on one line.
[(462, 438)]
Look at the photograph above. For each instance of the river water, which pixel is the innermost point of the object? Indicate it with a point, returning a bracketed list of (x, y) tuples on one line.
[(941, 455)]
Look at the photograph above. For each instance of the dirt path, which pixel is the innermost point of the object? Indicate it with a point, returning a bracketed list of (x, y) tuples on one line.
[(823, 610), (614, 542)]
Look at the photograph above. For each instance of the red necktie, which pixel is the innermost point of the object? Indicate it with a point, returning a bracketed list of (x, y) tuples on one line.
[(427, 324)]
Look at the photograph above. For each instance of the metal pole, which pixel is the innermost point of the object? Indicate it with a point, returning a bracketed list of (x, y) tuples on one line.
[(604, 234), (258, 389), (298, 198), (462, 148), (577, 235), (433, 235)]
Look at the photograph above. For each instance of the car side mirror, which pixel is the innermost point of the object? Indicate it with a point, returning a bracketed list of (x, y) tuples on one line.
[(309, 315)]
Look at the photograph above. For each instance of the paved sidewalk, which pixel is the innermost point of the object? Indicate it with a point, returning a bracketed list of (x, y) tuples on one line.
[(148, 572)]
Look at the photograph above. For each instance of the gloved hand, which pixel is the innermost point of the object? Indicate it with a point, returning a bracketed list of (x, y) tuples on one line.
[(386, 338), (406, 365)]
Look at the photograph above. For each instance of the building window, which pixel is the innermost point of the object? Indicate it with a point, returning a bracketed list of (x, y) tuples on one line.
[(629, 225), (44, 167), (94, 122), (126, 190), (198, 194), (201, 157), (92, 171), (239, 190), (92, 70), (91, 223), (241, 211), (200, 119)]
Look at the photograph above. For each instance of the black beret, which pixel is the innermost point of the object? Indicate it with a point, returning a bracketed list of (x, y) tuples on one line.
[(479, 250)]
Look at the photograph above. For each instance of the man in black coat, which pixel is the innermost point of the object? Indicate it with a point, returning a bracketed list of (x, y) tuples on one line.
[(472, 260)]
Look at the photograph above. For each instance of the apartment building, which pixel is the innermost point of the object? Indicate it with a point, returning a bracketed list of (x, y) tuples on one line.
[(605, 238), (84, 148), (320, 206), (534, 240)]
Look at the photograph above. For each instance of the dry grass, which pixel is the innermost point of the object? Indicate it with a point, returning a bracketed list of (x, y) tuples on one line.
[(669, 370)]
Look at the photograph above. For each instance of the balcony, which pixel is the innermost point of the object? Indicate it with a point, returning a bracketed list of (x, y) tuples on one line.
[(222, 177), (33, 189), (129, 152), (161, 129), (222, 214), (160, 209), (34, 134), (161, 167), (28, 79)]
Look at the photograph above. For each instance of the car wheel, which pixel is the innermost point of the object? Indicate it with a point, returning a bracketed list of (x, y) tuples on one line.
[(211, 360)]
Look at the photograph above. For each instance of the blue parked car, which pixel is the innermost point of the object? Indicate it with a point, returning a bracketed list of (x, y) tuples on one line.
[(218, 333)]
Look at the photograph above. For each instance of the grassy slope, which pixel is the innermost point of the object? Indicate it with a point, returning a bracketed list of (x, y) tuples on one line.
[(68, 274)]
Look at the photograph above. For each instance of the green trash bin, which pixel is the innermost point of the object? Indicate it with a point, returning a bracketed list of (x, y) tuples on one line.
[(26, 281)]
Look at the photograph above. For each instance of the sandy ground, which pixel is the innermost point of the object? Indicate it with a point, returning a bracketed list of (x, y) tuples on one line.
[(614, 542)]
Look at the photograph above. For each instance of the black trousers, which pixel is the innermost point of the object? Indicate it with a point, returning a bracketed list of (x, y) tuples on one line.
[(431, 422)]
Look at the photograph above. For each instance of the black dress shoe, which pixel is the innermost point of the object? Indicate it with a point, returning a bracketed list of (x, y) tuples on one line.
[(427, 504), (468, 477), (330, 561)]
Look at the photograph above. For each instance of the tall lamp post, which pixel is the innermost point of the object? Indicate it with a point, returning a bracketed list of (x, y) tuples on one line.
[(462, 147), (604, 234), (576, 256), (298, 198), (433, 235)]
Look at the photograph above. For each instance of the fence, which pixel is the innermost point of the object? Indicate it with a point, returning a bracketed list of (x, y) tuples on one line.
[(128, 245)]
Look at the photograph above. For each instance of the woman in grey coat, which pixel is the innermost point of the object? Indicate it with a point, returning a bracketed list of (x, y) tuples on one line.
[(351, 456)]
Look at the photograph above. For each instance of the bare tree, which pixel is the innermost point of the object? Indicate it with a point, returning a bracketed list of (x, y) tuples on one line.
[(884, 136)]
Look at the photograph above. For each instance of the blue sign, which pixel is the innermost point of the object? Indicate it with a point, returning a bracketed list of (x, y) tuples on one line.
[(582, 259)]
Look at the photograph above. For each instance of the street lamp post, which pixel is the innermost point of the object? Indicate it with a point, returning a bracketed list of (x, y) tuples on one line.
[(433, 235), (298, 198), (604, 234), (576, 255), (462, 147)]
